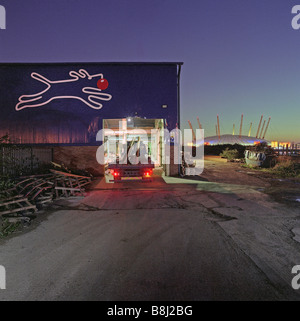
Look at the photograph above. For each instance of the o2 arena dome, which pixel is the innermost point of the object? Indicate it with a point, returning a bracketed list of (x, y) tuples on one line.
[(233, 139)]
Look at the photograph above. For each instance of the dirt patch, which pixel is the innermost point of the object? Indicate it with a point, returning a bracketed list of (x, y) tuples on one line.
[(41, 216), (283, 190)]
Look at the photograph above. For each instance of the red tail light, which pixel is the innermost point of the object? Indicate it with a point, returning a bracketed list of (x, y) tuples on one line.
[(148, 172)]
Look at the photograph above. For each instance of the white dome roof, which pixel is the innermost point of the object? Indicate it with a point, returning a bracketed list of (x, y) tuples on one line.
[(233, 139)]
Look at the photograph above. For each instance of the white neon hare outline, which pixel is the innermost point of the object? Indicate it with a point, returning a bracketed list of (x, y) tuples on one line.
[(94, 93)]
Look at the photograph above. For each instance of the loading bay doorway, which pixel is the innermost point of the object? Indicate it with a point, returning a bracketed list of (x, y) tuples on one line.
[(126, 131)]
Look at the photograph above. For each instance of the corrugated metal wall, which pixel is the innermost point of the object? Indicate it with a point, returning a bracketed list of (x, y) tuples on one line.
[(67, 115)]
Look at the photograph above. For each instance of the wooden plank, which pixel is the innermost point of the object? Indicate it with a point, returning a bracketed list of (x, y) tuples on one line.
[(71, 185), (11, 198), (68, 189), (85, 184), (67, 174), (56, 191), (13, 202), (40, 191), (64, 190), (45, 201), (32, 207), (35, 181), (39, 187), (36, 176), (24, 181)]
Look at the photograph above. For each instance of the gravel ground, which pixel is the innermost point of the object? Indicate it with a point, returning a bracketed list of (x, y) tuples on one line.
[(220, 237)]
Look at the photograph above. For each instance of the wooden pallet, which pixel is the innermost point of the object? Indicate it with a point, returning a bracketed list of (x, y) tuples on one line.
[(33, 190), (67, 184), (37, 188), (17, 204)]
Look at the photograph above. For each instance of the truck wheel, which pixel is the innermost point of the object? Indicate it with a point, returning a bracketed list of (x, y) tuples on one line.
[(182, 170)]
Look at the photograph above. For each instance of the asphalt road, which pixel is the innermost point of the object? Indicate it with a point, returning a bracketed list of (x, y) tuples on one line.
[(160, 241)]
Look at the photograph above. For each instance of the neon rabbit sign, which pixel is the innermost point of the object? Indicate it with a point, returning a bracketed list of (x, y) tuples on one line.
[(93, 98)]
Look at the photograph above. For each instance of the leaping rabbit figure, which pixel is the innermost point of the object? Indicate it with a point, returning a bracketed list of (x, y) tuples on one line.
[(93, 99)]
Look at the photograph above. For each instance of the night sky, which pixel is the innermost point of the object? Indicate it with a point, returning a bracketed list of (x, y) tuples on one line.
[(240, 56)]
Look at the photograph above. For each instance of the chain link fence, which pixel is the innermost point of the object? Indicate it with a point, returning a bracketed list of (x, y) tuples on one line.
[(23, 160)]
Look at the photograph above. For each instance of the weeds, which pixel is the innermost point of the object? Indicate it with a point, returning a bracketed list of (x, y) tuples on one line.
[(230, 154), (6, 183), (8, 228), (287, 169)]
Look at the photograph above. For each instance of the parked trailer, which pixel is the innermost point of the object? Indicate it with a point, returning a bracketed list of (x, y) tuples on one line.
[(133, 172)]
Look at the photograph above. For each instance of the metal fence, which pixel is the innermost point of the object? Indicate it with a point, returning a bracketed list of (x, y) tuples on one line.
[(20, 160), (292, 150)]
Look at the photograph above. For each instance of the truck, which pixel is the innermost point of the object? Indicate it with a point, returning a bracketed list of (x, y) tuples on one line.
[(125, 171)]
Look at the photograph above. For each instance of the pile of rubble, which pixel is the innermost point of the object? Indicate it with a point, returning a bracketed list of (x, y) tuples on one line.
[(30, 193)]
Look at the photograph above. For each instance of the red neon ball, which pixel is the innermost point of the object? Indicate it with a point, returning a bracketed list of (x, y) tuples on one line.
[(102, 84)]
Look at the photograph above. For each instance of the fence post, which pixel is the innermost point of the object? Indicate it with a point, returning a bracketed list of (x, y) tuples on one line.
[(1, 161), (31, 160)]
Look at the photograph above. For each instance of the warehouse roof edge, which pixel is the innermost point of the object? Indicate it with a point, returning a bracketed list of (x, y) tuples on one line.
[(92, 62)]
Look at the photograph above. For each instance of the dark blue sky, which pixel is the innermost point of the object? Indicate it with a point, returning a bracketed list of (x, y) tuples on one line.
[(240, 56)]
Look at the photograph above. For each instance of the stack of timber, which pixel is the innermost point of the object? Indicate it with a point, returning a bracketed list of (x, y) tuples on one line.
[(32, 192)]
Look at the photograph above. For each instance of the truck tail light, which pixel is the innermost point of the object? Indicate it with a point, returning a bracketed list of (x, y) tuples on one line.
[(148, 172)]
